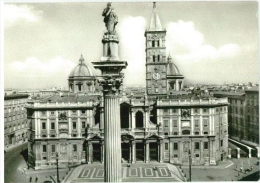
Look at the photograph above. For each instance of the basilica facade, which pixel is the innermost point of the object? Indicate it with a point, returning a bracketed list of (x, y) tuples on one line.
[(163, 124)]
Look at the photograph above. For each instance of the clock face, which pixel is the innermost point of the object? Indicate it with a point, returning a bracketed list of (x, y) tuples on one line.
[(156, 76)]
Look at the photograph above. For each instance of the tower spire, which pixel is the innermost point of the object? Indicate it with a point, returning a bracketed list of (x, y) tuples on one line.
[(155, 24)]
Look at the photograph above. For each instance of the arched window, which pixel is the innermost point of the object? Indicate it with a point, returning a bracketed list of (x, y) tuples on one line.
[(124, 116), (139, 120), (186, 132)]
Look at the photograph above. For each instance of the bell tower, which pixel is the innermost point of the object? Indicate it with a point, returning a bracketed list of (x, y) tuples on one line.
[(156, 63)]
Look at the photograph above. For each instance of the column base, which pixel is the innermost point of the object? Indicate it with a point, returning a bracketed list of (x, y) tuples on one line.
[(213, 162)]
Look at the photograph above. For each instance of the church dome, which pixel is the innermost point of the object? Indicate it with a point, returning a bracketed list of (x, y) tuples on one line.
[(81, 70), (172, 69)]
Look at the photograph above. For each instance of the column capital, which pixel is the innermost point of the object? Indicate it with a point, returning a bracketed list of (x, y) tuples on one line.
[(132, 141), (111, 84)]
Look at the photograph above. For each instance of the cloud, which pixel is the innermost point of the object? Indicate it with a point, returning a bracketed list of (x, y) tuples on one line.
[(38, 73), (200, 62), (13, 13), (132, 49), (184, 41)]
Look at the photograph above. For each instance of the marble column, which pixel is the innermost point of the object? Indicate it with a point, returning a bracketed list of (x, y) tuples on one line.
[(238, 153), (147, 153), (112, 138), (133, 152), (161, 151), (89, 152), (111, 81), (249, 152), (258, 152), (102, 151)]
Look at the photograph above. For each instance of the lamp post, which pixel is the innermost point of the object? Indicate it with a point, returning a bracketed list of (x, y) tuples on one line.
[(189, 164), (57, 161), (189, 153)]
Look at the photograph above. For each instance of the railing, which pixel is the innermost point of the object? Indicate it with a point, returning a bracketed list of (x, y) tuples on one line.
[(163, 102), (60, 104)]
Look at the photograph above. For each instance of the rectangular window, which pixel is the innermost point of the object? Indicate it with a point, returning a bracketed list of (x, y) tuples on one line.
[(196, 123), (52, 125), (197, 155), (166, 123), (83, 112), (196, 110), (197, 145), (43, 113), (83, 124), (206, 145), (175, 123), (165, 111), (74, 125), (175, 155), (53, 149), (166, 146), (175, 146), (74, 147), (74, 112), (52, 112), (221, 143), (205, 110), (43, 125), (44, 148), (174, 110), (205, 122)]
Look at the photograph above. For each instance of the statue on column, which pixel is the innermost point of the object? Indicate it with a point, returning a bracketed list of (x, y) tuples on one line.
[(110, 18)]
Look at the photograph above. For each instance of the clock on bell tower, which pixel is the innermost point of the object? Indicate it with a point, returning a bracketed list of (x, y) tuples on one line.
[(156, 63)]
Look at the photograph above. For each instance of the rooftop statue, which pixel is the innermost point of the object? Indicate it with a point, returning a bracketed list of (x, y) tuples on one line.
[(110, 19)]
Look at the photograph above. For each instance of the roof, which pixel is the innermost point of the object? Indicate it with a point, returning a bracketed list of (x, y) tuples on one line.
[(253, 89), (228, 93), (16, 96), (172, 69), (81, 70), (71, 97)]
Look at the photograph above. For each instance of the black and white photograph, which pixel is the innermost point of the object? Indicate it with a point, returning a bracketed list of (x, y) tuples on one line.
[(136, 91)]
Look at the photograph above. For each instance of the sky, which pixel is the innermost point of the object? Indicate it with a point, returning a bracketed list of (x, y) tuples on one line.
[(210, 42)]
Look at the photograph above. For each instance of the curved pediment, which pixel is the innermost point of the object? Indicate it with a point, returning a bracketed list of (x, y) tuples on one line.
[(153, 135), (127, 137), (125, 104), (94, 136)]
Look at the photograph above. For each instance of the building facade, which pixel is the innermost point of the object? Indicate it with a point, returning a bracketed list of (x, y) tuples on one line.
[(252, 115), (15, 119), (243, 116), (161, 124)]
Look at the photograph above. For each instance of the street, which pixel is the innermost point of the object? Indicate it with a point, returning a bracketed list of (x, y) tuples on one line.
[(230, 173), (13, 158)]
